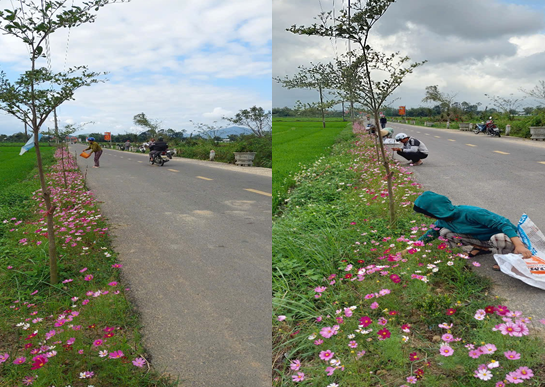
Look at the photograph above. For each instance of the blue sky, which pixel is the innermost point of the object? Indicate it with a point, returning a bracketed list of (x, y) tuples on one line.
[(176, 61), (473, 47)]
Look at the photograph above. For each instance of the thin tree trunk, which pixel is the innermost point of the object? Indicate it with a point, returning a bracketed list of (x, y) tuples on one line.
[(53, 272), (322, 105)]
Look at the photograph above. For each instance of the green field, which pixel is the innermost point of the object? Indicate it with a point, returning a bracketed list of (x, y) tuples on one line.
[(14, 168), (297, 143)]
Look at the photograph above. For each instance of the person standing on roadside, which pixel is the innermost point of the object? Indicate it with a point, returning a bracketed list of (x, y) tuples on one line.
[(96, 148), (383, 121), (413, 149), (127, 145)]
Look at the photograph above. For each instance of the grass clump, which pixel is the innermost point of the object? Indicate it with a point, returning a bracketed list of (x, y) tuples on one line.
[(349, 310)]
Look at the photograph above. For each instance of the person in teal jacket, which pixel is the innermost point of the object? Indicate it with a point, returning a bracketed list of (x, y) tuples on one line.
[(477, 227)]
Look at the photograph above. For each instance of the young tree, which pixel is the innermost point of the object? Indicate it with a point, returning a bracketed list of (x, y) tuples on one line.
[(508, 106), (152, 126), (314, 77), (368, 76), (256, 119), (38, 91), (537, 92), (446, 101)]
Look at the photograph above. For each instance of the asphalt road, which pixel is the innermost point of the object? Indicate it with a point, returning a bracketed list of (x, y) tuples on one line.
[(194, 238), (505, 175)]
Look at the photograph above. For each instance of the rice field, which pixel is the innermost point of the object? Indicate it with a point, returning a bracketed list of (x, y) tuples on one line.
[(297, 143), (15, 168)]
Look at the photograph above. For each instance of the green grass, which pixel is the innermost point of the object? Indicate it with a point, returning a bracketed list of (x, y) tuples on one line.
[(334, 224), (297, 143), (14, 168)]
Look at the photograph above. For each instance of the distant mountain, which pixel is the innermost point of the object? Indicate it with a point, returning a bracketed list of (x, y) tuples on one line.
[(236, 130)]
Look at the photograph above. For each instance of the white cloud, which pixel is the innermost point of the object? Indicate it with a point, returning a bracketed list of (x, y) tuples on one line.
[(218, 113), (174, 60), (472, 47)]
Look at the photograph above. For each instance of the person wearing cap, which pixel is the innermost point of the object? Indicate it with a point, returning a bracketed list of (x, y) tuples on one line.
[(483, 230), (413, 149), (95, 147)]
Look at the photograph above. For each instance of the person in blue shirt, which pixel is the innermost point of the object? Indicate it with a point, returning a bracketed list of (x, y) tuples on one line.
[(483, 230)]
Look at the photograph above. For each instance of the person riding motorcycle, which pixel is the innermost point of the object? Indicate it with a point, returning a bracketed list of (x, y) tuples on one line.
[(489, 123), (157, 147)]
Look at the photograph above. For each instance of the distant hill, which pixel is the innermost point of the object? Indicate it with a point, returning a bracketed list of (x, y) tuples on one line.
[(237, 130)]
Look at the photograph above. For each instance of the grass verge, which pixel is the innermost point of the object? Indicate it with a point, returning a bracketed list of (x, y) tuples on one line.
[(82, 332)]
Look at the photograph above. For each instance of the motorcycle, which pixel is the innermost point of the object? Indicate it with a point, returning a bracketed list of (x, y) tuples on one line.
[(162, 157), (490, 129), (142, 148)]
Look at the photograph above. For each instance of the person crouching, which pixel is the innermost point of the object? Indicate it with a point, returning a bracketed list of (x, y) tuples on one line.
[(413, 149)]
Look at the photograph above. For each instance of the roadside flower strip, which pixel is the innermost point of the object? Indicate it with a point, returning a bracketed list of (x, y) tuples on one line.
[(396, 325), (66, 341)]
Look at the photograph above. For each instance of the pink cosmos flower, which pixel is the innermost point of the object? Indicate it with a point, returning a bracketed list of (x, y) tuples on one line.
[(488, 349), (353, 344), (299, 377), (97, 343), (115, 355), (382, 321), (19, 360), (500, 384), (475, 354), (320, 289), (412, 379), (348, 312), (139, 362), (383, 334), (512, 355), (28, 380), (295, 365), (318, 342), (4, 357), (501, 310), (360, 354), (365, 321), (446, 350), (114, 283), (117, 265), (281, 318), (326, 355), (39, 362), (525, 372), (330, 370), (447, 338), (374, 305), (88, 277), (327, 332), (514, 377)]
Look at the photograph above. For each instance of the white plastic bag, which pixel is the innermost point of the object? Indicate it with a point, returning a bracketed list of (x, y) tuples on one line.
[(531, 270)]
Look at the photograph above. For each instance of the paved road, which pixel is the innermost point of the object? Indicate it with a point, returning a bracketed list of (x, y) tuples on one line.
[(505, 175), (194, 238)]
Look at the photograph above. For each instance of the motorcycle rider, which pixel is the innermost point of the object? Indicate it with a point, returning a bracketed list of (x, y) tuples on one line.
[(157, 147), (490, 123)]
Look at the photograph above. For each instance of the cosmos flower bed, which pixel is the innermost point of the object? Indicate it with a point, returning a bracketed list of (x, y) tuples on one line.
[(81, 332), (361, 314)]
